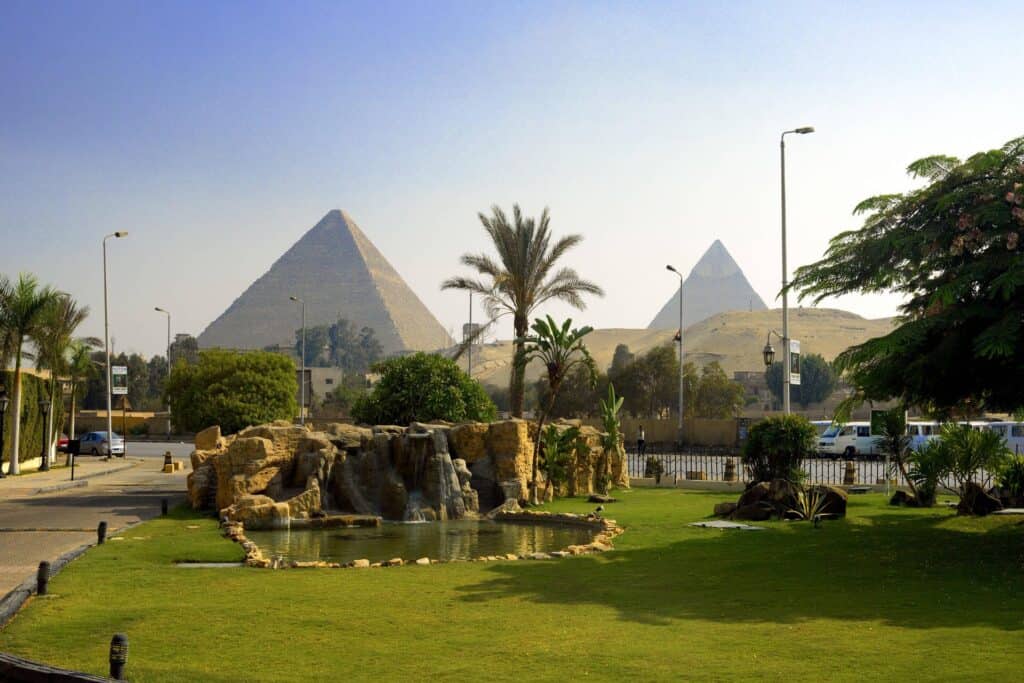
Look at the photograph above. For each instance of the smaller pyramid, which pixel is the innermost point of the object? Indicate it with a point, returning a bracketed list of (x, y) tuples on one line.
[(339, 273), (715, 285)]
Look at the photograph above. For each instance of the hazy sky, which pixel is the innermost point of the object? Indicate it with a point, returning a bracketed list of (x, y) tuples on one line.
[(217, 133)]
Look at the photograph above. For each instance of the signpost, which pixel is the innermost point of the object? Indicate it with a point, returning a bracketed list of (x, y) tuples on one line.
[(794, 361), (119, 380)]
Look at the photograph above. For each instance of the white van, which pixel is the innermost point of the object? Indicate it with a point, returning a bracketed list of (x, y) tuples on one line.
[(921, 433), (850, 439), (1013, 432)]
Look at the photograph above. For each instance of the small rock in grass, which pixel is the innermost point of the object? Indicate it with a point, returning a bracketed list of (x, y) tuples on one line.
[(423, 561)]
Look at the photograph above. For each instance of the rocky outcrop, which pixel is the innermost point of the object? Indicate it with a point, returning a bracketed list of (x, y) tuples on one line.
[(784, 499), (280, 471), (974, 500)]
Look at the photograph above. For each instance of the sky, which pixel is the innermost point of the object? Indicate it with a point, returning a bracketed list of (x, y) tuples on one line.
[(218, 133)]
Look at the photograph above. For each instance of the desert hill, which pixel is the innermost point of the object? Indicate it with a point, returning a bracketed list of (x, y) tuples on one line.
[(735, 339)]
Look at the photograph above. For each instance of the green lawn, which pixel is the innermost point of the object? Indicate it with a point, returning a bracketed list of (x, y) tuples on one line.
[(885, 594)]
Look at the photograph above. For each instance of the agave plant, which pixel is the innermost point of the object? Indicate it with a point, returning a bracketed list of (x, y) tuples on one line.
[(810, 504)]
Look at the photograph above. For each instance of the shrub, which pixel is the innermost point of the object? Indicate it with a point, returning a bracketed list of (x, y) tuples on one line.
[(653, 468), (233, 390), (775, 446), (559, 447), (928, 466), (1011, 476), (972, 452), (423, 388)]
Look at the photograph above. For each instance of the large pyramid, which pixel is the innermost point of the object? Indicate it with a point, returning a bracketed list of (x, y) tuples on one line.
[(715, 285), (339, 273)]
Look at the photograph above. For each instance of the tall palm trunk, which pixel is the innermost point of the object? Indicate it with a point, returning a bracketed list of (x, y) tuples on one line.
[(15, 467), (534, 498), (517, 380)]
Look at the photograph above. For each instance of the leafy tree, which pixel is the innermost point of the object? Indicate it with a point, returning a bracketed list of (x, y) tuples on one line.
[(650, 383), (560, 350), (317, 345), (423, 388), (817, 380), (523, 278), (775, 447), (233, 390), (952, 249), (340, 345), (184, 349), (23, 311), (718, 396), (578, 396), (621, 359)]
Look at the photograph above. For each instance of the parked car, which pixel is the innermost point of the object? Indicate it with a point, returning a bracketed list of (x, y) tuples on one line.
[(95, 443), (62, 443), (849, 440)]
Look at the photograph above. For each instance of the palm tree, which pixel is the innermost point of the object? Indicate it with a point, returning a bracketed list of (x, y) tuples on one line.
[(22, 315), (54, 340), (560, 350), (522, 278), (895, 443), (80, 368)]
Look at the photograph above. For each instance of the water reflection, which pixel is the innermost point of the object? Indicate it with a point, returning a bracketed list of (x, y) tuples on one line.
[(452, 540)]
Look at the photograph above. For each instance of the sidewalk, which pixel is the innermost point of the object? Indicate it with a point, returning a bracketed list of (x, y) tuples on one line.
[(59, 478)]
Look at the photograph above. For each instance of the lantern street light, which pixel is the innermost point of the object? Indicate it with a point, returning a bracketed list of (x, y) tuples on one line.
[(4, 402), (44, 409), (669, 267), (804, 130), (106, 337), (302, 373)]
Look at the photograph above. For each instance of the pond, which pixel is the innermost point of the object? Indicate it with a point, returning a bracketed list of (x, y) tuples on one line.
[(453, 540)]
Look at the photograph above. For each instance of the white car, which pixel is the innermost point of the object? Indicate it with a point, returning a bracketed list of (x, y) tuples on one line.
[(848, 440), (95, 443)]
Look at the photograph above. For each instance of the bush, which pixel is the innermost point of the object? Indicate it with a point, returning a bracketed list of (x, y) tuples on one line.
[(928, 466), (31, 419), (775, 446), (423, 388), (233, 390), (1011, 477), (653, 468)]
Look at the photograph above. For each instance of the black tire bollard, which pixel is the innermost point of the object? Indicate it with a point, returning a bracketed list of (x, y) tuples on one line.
[(101, 533), (43, 577), (118, 655), (163, 506)]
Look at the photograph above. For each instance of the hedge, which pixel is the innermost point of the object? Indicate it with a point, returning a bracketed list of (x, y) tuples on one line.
[(31, 418)]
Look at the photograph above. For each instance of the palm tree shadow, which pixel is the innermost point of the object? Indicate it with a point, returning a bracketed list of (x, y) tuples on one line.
[(911, 572)]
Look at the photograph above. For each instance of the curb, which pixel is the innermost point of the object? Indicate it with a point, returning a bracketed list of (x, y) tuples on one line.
[(81, 481), (18, 596)]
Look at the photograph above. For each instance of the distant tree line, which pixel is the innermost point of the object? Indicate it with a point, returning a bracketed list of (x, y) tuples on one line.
[(649, 384)]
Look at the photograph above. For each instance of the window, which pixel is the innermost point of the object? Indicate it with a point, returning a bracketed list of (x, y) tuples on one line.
[(912, 430), (1017, 430), (329, 380), (863, 431)]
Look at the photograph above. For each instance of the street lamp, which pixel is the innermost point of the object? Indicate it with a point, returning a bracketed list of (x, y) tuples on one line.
[(168, 314), (669, 267), (106, 338), (4, 402), (302, 373), (804, 130), (44, 409)]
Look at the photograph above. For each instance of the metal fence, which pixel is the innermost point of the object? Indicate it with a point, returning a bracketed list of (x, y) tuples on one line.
[(711, 464)]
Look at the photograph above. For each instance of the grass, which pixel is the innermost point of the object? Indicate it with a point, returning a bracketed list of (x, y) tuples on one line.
[(887, 593)]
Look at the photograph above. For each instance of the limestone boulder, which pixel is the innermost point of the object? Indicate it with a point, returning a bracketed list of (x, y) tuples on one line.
[(208, 439), (468, 441), (511, 449), (346, 436), (835, 499), (283, 436), (306, 504), (974, 500), (754, 512), (258, 512), (462, 471), (200, 483), (754, 493), (725, 509)]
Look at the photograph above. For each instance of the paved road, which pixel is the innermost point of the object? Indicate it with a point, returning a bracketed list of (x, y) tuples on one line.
[(38, 525)]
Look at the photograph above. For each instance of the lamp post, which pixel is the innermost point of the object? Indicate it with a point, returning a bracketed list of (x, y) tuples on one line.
[(106, 339), (44, 409), (785, 277), (168, 314), (669, 267), (4, 402), (302, 372), (768, 353)]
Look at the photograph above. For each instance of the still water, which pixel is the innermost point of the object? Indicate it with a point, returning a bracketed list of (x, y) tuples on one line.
[(454, 540)]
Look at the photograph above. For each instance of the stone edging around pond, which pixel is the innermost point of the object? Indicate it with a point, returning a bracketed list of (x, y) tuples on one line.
[(605, 530)]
